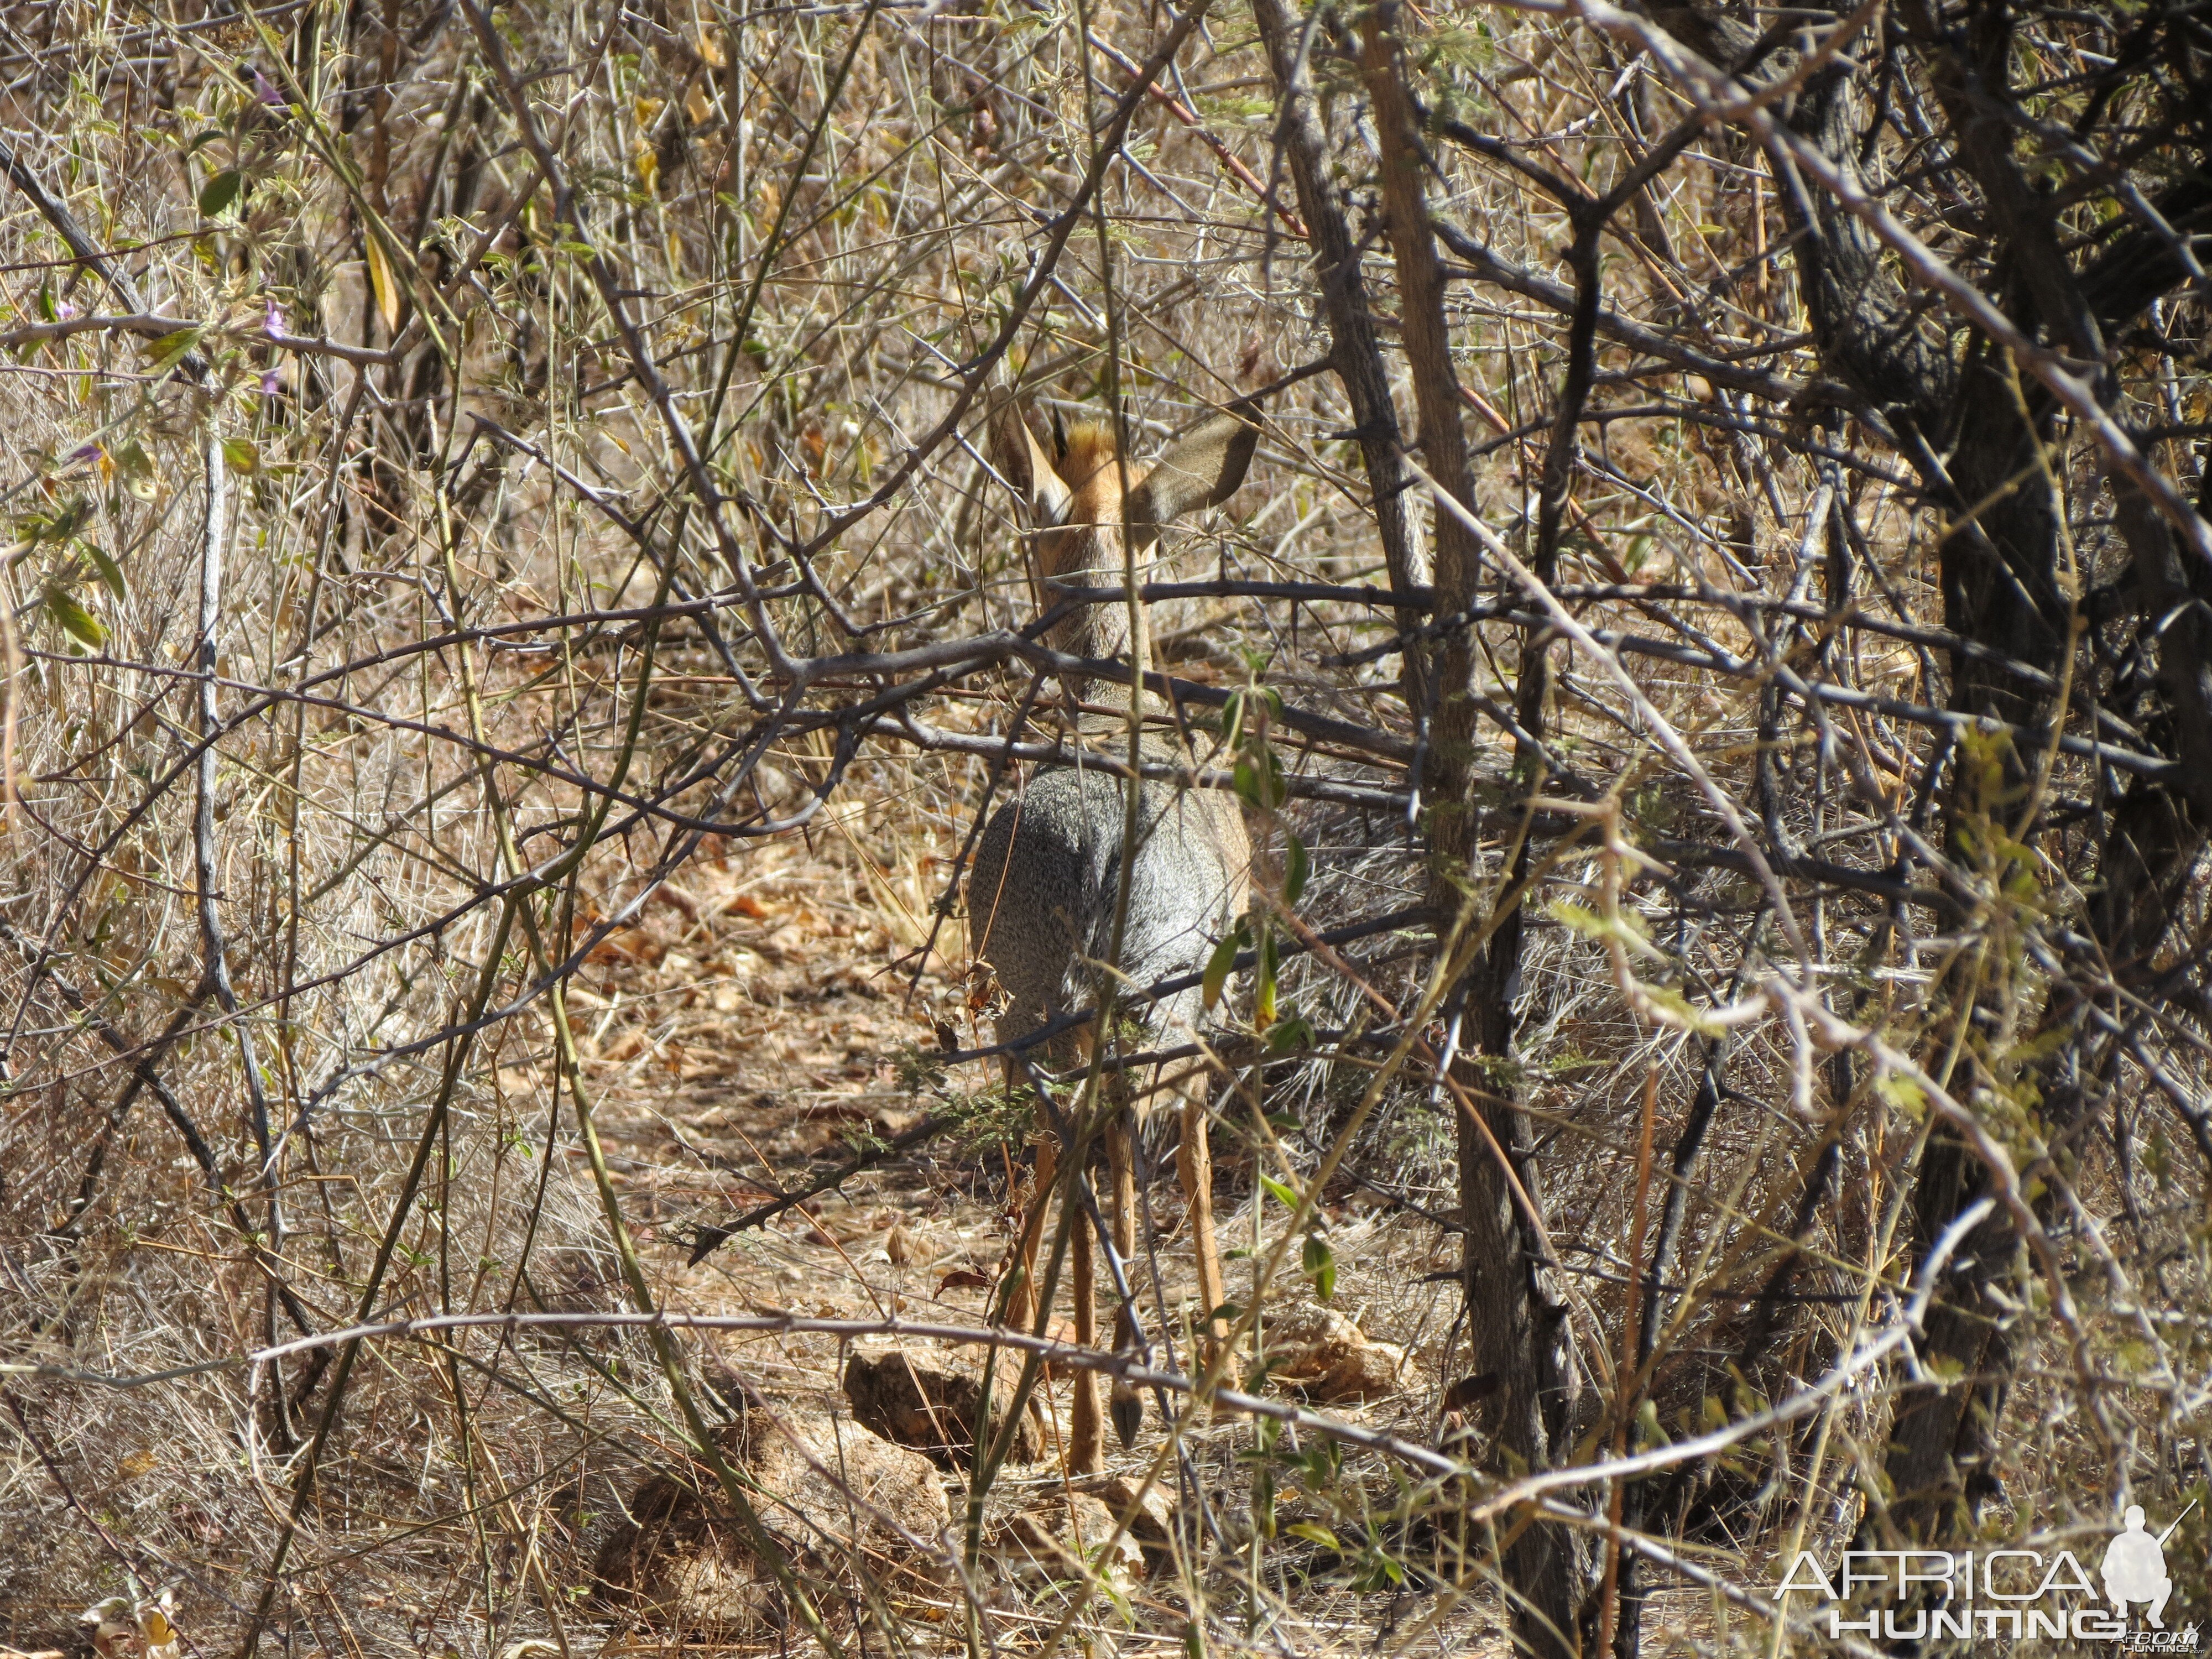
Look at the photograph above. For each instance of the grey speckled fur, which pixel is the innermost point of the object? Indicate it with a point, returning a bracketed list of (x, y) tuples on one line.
[(1041, 898)]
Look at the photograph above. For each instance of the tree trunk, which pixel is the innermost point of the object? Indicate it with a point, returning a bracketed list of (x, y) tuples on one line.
[(1356, 354), (1516, 1316)]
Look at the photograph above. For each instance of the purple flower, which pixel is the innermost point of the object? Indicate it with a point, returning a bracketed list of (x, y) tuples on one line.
[(266, 90), (273, 324), (84, 454)]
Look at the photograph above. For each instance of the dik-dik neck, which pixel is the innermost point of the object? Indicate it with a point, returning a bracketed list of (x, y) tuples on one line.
[(1090, 548), (1106, 630), (1102, 634)]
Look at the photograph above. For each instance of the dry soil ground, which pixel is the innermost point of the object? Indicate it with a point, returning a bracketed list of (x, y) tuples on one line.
[(752, 1026)]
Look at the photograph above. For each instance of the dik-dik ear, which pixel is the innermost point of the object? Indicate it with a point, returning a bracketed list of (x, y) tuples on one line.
[(1201, 469), (1016, 453)]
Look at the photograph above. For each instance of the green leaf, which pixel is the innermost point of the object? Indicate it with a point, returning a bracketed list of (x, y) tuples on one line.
[(220, 191), (1297, 867), (110, 572), (1290, 1032), (241, 455), (171, 346), (57, 525), (1245, 778), (1263, 996), (1903, 1093), (1313, 1532), (1320, 1264), (1221, 964), (138, 480), (77, 621), (1227, 1313), (1258, 780), (1282, 1194), (1232, 720)]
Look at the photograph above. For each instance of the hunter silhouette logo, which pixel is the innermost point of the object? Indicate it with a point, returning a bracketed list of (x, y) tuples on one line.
[(2135, 1566)]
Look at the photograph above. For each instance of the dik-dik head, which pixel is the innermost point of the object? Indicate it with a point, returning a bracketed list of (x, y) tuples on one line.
[(1074, 488)]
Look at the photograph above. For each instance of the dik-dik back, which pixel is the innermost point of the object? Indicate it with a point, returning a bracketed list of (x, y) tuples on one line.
[(1042, 898)]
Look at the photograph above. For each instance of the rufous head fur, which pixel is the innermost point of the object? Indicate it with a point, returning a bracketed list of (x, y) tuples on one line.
[(1075, 489)]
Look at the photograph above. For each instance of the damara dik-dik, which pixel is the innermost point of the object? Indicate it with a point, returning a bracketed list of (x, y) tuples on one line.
[(1044, 899)]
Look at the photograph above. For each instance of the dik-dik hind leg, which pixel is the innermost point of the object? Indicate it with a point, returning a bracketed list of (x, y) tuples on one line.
[(1024, 1310), (1020, 1308), (1022, 1301), (1122, 1168), (1086, 1435), (1125, 1404), (1086, 1439), (1194, 1171)]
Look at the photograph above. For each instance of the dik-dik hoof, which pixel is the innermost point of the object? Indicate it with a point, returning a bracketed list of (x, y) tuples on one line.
[(1127, 1407)]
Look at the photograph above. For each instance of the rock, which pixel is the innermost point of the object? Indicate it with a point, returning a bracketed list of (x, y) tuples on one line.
[(678, 1569), (1326, 1358), (829, 1476), (1151, 1517), (928, 1399), (825, 1488), (1065, 1535)]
